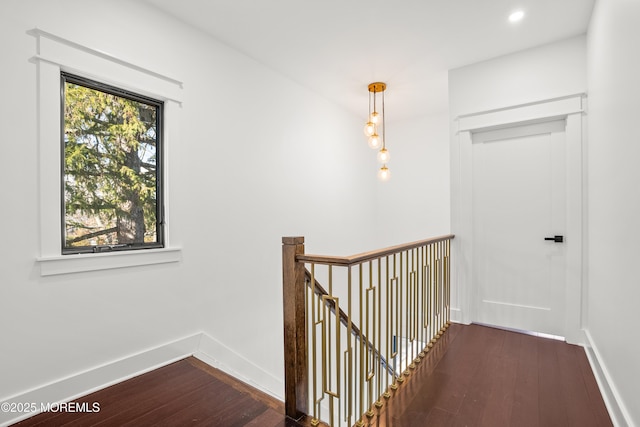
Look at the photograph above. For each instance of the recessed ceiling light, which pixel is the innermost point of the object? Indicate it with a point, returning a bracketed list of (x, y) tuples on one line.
[(516, 16)]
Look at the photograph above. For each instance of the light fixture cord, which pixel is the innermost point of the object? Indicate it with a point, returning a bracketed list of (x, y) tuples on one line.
[(384, 128), (374, 100)]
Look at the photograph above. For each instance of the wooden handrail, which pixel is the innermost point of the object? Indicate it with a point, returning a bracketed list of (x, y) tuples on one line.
[(368, 256)]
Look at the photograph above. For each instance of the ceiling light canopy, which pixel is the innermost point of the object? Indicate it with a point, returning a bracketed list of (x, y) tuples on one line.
[(374, 128)]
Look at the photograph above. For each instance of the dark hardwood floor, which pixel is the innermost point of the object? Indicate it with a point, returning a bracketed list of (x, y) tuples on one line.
[(480, 376), (184, 393), (473, 376)]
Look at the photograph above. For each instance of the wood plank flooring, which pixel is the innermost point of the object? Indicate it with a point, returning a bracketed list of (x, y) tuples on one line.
[(481, 376), (473, 376), (185, 393)]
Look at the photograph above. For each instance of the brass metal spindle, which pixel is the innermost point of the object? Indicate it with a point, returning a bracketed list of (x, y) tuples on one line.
[(437, 284), (441, 285), (379, 345), (445, 309), (396, 291), (370, 294), (419, 314), (331, 413), (399, 314), (436, 287), (442, 267), (414, 311), (429, 312), (314, 359), (318, 384), (347, 382), (332, 356), (449, 276), (442, 289), (350, 402), (388, 318), (405, 305), (446, 284), (432, 294), (437, 270), (409, 315), (327, 344), (423, 308), (361, 375), (337, 353)]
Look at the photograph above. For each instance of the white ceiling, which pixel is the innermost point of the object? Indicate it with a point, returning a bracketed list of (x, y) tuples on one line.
[(337, 47)]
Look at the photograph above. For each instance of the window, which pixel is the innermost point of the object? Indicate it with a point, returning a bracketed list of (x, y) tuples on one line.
[(111, 168), (146, 83)]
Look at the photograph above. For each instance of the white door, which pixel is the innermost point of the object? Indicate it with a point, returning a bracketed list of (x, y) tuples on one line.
[(519, 192)]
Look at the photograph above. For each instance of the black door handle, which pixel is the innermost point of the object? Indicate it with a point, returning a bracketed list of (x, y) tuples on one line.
[(557, 239)]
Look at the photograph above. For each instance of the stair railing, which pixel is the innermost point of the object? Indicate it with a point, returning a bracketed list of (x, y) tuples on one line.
[(350, 345), (314, 286)]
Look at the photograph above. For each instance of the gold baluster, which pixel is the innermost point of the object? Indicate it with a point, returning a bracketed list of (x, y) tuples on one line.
[(380, 362)]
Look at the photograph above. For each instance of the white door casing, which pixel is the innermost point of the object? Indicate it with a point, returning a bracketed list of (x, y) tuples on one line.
[(465, 290)]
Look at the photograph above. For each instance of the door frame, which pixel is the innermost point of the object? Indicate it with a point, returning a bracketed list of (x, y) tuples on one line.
[(571, 108)]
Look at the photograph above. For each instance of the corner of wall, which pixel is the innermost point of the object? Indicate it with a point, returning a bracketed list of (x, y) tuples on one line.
[(218, 355), (617, 410), (95, 379), (199, 345)]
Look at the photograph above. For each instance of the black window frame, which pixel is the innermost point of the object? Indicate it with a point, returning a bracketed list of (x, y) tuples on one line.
[(66, 77)]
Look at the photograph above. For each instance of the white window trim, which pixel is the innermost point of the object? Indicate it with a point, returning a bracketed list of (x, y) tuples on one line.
[(53, 55)]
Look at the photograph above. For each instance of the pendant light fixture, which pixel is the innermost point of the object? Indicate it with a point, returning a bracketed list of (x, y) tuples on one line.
[(374, 129)]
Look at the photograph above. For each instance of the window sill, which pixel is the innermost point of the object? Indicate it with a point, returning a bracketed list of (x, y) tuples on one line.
[(66, 264)]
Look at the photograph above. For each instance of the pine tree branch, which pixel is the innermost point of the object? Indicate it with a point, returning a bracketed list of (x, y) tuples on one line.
[(90, 235)]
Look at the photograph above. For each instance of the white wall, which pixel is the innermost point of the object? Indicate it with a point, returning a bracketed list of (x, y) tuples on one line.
[(614, 199), (414, 204), (259, 157), (546, 72)]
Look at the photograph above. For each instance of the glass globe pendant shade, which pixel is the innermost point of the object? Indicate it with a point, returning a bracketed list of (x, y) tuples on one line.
[(369, 128), (375, 118), (384, 156), (384, 174), (374, 141)]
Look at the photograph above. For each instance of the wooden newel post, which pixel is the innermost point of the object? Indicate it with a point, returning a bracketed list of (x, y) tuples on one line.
[(296, 374)]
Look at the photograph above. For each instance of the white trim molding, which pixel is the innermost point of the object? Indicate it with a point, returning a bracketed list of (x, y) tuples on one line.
[(456, 315), (618, 412), (544, 110), (106, 67), (65, 264)]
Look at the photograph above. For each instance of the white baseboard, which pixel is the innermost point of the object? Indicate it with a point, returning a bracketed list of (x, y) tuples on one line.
[(617, 411), (455, 314), (216, 354), (199, 345)]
